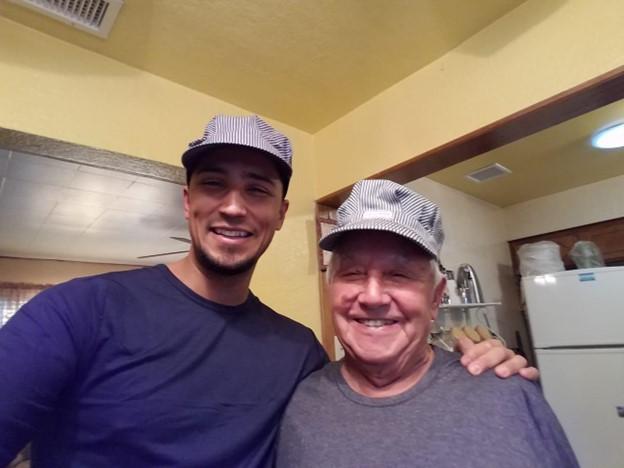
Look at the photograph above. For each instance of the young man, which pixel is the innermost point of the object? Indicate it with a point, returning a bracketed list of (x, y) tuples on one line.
[(394, 400), (177, 365)]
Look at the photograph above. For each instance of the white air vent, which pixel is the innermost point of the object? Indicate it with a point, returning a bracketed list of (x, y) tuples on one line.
[(93, 16), (488, 173)]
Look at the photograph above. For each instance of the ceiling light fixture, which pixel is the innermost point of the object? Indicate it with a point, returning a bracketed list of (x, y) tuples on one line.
[(610, 137)]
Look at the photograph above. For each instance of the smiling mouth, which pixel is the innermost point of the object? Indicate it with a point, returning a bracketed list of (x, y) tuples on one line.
[(376, 323), (231, 233)]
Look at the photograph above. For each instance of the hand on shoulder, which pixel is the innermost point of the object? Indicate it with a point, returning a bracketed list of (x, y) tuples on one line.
[(491, 354)]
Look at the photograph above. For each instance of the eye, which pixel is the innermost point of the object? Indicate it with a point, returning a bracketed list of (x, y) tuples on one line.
[(211, 182), (260, 190), (399, 275), (351, 274)]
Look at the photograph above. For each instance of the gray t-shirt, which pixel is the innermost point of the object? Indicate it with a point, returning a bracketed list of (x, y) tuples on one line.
[(448, 419)]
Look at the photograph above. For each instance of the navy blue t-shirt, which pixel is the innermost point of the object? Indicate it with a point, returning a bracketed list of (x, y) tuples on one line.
[(135, 369)]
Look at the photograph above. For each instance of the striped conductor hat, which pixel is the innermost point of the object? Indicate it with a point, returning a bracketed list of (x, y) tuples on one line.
[(250, 131), (382, 205)]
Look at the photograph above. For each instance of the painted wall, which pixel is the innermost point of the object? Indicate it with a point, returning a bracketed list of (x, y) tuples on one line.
[(22, 270), (51, 88), (587, 204), (54, 89), (475, 234), (537, 50)]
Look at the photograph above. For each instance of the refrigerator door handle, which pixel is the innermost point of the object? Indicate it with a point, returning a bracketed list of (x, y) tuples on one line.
[(620, 410)]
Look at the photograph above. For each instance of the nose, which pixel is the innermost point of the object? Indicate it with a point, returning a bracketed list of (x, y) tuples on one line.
[(233, 204), (373, 295)]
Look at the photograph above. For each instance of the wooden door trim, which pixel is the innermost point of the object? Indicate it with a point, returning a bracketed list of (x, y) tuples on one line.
[(588, 96)]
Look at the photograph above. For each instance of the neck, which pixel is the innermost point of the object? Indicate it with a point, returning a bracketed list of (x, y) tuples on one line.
[(227, 290), (378, 381)]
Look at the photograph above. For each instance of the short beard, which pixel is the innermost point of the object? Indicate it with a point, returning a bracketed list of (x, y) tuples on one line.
[(210, 264)]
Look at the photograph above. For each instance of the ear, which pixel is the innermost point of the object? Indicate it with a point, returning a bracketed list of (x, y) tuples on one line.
[(437, 297), (282, 214), (186, 202)]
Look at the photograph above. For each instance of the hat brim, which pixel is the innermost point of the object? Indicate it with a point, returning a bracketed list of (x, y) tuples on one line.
[(191, 157), (330, 240)]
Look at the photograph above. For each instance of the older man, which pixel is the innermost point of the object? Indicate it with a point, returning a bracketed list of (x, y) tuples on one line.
[(394, 400)]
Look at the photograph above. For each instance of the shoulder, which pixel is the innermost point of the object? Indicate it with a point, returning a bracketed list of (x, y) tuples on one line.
[(280, 323), (112, 279), (511, 396), (290, 339), (123, 279), (516, 409), (322, 377), (317, 385), (89, 293), (315, 398), (513, 402), (73, 309), (487, 385)]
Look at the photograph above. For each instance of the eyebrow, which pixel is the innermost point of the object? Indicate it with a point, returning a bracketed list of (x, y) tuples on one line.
[(262, 178)]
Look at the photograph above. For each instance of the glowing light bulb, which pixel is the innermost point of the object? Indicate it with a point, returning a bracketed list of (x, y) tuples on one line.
[(611, 137)]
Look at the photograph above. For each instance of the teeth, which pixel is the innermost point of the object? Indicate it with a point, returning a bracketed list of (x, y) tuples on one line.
[(230, 233), (376, 323)]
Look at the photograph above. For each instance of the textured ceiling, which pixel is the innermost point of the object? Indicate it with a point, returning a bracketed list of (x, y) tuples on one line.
[(305, 63), (62, 210), (556, 159)]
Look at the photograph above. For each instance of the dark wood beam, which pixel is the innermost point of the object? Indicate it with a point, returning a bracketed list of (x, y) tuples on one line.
[(586, 97)]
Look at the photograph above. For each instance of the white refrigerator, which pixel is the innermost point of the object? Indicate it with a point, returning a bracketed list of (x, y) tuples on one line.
[(577, 324)]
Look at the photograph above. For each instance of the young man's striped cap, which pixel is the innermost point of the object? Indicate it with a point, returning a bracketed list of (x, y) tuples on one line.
[(250, 131)]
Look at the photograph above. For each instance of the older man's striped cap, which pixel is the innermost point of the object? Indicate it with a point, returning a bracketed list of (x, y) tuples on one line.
[(382, 205), (250, 131)]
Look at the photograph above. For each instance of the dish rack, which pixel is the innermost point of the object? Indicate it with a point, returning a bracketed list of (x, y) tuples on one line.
[(468, 319)]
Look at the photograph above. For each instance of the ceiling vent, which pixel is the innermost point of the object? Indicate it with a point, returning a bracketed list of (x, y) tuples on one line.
[(93, 16), (488, 173)]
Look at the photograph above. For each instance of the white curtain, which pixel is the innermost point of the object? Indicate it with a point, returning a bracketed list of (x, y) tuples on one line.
[(14, 295)]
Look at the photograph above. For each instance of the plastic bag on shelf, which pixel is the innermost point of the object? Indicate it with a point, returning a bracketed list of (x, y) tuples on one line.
[(586, 254), (540, 258)]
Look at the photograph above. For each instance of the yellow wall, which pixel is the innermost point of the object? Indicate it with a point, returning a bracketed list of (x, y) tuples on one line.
[(587, 204), (25, 270), (539, 49), (54, 89)]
